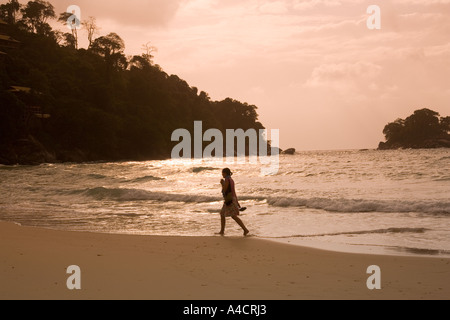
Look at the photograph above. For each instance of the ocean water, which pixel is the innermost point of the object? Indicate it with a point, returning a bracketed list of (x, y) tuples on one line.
[(389, 202)]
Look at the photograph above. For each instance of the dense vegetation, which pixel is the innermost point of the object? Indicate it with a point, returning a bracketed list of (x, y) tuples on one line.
[(103, 104), (424, 129)]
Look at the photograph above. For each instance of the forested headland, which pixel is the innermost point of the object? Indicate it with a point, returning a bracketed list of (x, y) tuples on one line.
[(425, 129), (62, 103)]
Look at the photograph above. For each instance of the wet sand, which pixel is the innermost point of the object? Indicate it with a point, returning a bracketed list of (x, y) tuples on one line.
[(33, 264)]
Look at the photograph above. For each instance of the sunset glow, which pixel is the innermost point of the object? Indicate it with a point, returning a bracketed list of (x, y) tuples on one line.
[(313, 68)]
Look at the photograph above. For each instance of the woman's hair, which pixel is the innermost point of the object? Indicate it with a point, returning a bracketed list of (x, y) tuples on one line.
[(227, 172)]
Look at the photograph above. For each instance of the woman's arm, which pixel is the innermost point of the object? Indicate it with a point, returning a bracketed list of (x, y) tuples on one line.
[(225, 185)]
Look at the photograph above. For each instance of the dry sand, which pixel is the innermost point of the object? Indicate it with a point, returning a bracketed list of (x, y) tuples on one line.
[(33, 265)]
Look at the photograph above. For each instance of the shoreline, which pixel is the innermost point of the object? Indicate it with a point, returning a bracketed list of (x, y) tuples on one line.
[(346, 248), (33, 263)]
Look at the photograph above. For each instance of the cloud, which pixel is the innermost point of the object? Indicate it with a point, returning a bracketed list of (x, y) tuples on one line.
[(339, 73), (309, 4), (276, 7), (148, 13), (424, 2)]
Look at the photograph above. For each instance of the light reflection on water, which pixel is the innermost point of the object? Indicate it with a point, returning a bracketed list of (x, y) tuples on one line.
[(390, 201)]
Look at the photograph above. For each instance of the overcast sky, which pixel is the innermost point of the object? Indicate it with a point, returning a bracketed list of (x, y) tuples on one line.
[(313, 68)]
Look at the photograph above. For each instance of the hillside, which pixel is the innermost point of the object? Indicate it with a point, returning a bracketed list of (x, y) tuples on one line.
[(62, 104)]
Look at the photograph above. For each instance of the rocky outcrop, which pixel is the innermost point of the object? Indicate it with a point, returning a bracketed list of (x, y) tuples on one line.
[(274, 151), (290, 151), (26, 151)]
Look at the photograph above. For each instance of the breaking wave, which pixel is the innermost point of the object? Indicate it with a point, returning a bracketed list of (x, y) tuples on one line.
[(123, 194), (201, 169), (96, 176), (349, 205), (145, 179), (330, 205), (119, 194)]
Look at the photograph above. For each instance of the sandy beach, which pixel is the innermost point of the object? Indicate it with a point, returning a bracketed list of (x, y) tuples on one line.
[(33, 264)]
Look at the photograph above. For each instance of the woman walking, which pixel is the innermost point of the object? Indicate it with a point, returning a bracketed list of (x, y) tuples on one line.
[(231, 207)]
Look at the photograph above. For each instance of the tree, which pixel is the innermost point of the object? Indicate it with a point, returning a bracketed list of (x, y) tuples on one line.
[(423, 124), (9, 11), (69, 40), (64, 18), (111, 48), (423, 129), (394, 130), (139, 62), (58, 36), (145, 60), (236, 114), (36, 14), (90, 25), (44, 29), (148, 52), (445, 124)]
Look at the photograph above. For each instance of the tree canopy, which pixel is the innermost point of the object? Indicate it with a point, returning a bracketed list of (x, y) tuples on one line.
[(424, 129), (10, 10), (102, 104), (35, 15)]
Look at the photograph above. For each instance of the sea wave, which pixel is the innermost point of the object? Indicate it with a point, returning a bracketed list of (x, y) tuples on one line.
[(330, 205), (378, 231), (442, 179), (144, 179), (353, 206), (122, 194), (201, 169), (97, 176), (129, 194)]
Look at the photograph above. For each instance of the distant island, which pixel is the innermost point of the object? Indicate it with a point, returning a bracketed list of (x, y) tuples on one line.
[(425, 129), (62, 103)]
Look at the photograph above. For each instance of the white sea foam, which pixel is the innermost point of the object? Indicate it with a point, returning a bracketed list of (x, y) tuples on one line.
[(351, 205), (331, 205)]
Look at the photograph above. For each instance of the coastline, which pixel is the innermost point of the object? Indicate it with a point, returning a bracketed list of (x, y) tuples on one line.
[(33, 265), (4, 161)]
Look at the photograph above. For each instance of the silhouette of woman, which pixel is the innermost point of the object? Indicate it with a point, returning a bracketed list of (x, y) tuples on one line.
[(231, 205)]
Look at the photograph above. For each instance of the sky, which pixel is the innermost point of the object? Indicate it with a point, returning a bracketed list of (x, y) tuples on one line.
[(313, 67)]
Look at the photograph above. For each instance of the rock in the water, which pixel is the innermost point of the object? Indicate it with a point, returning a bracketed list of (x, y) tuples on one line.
[(290, 151), (274, 150)]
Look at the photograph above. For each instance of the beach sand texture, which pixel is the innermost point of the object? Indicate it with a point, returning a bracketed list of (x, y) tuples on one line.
[(33, 264)]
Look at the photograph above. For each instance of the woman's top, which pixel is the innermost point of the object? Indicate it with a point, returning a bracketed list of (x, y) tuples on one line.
[(230, 193)]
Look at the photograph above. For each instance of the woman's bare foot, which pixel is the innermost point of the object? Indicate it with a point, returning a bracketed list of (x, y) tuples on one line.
[(220, 233), (246, 232)]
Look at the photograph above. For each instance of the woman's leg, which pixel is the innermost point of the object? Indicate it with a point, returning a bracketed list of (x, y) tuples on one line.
[(222, 224), (241, 224)]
